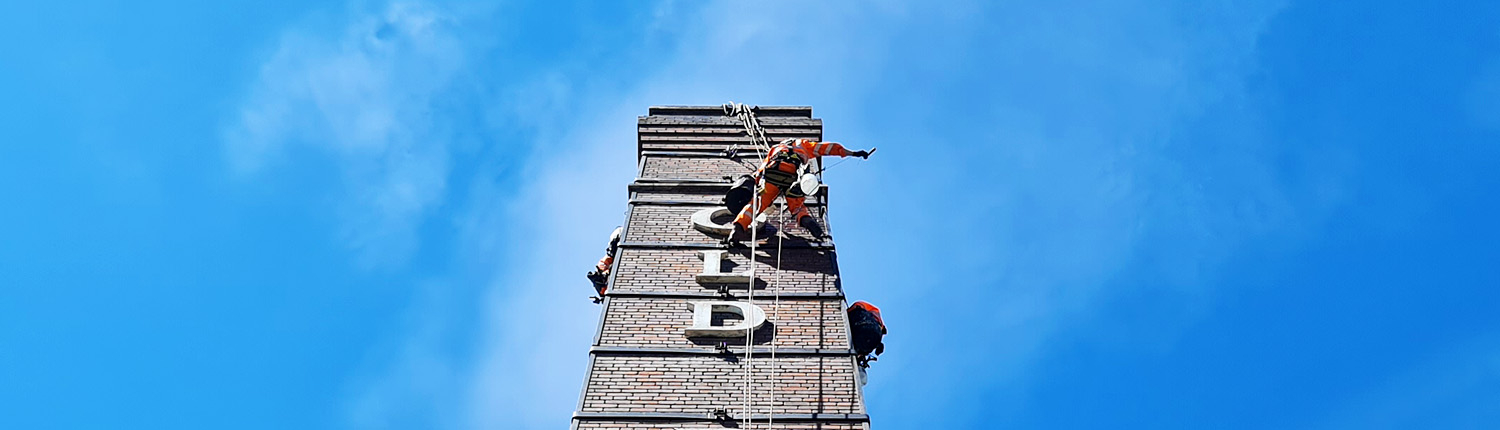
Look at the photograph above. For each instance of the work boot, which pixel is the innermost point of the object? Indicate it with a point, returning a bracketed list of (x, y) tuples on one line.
[(812, 226), (600, 281)]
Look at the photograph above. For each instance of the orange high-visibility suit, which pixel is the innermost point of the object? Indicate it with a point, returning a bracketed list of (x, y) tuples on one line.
[(778, 173), (866, 328), (600, 275)]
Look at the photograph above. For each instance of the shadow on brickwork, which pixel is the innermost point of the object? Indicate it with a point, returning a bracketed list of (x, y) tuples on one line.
[(763, 335), (797, 260), (760, 284)]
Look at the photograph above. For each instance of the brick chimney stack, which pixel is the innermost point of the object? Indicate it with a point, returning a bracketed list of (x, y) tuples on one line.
[(645, 371)]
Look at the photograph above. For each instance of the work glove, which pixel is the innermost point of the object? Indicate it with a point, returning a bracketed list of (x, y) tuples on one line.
[(861, 154)]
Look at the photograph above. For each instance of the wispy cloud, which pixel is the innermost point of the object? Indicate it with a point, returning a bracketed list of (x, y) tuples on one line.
[(1068, 117), (379, 101), (537, 324), (364, 95)]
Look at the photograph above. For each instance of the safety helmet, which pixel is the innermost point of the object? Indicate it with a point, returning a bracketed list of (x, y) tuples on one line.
[(614, 239)]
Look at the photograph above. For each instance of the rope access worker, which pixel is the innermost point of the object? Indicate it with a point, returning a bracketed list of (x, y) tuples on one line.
[(779, 176), (600, 275), (866, 328)]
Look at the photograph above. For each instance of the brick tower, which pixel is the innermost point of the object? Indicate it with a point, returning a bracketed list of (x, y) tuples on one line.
[(671, 346)]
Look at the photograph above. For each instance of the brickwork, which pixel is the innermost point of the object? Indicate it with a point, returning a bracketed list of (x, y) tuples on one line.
[(616, 425), (652, 223), (803, 270), (735, 131), (659, 323), (716, 133), (707, 199), (715, 168), (790, 226), (645, 373), (769, 122), (700, 383)]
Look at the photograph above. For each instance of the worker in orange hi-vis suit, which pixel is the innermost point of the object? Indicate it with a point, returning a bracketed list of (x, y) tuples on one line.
[(779, 175), (866, 328), (600, 275)]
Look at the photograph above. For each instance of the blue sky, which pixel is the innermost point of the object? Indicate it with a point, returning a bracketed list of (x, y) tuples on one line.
[(1134, 214)]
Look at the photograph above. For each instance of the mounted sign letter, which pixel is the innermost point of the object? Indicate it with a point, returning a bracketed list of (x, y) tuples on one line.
[(704, 221), (713, 272), (751, 318)]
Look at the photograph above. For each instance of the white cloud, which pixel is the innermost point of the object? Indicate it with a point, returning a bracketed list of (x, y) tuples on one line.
[(365, 95), (372, 101), (1079, 107), (538, 322)]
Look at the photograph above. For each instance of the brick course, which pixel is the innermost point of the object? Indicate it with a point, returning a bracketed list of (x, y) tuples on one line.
[(716, 168), (769, 122), (737, 131), (700, 384), (708, 199), (665, 224), (714, 134), (803, 270), (616, 425), (659, 322), (679, 197), (652, 223)]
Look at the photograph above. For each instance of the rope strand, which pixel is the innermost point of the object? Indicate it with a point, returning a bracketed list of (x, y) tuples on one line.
[(750, 297), (757, 137), (776, 310)]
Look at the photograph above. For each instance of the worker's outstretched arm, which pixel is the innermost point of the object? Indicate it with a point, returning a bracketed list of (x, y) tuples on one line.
[(830, 148), (837, 150)]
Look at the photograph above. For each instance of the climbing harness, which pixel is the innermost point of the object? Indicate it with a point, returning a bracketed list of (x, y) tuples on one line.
[(776, 172), (790, 171)]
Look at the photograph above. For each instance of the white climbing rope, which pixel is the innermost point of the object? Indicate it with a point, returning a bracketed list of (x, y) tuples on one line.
[(776, 312), (750, 297), (753, 129), (757, 137)]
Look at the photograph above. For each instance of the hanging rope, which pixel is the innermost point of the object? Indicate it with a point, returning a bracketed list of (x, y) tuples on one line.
[(757, 136), (750, 297), (762, 145), (757, 139), (753, 130), (776, 311)]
